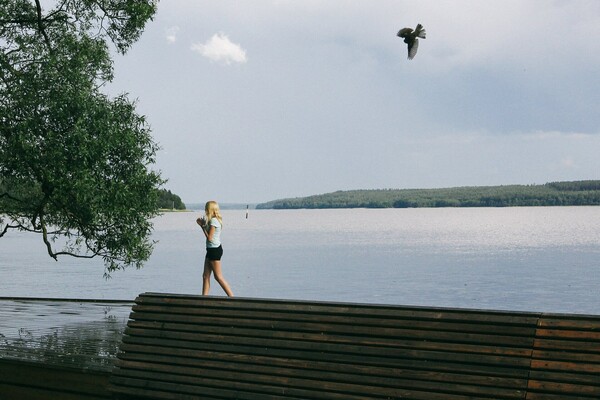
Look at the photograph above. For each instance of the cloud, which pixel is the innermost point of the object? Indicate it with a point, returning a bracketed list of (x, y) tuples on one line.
[(171, 34), (220, 49)]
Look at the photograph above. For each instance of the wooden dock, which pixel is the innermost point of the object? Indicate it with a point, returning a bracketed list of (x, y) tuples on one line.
[(175, 346), (201, 347)]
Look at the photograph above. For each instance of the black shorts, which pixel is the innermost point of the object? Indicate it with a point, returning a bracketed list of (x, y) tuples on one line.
[(214, 253)]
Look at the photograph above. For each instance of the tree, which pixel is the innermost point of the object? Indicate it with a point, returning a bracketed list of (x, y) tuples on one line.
[(74, 163), (168, 200)]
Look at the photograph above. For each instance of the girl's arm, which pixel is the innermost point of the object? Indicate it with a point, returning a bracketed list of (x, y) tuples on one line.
[(209, 233), (208, 230)]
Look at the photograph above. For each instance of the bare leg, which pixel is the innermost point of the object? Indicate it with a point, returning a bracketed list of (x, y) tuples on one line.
[(216, 268), (206, 277)]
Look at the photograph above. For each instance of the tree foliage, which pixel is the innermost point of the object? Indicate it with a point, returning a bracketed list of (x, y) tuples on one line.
[(74, 163), (550, 194), (168, 200)]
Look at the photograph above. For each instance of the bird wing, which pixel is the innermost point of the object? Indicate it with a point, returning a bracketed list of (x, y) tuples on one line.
[(404, 32), (412, 49), (420, 31)]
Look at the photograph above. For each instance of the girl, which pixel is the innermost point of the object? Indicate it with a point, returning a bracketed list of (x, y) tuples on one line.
[(211, 225)]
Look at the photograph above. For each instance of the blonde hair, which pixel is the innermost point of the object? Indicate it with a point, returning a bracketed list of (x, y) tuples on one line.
[(211, 209)]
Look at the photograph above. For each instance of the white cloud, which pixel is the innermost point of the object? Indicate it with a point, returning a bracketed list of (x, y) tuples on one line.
[(220, 49), (171, 34), (551, 135)]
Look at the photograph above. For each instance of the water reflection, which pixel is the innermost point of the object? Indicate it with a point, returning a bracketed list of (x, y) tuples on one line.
[(83, 335)]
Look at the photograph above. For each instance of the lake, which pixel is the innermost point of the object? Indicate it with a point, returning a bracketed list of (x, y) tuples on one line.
[(524, 258)]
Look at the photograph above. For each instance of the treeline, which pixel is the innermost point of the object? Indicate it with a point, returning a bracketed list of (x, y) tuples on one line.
[(550, 194), (168, 200)]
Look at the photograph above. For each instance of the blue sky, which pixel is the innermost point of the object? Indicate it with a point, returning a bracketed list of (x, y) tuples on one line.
[(255, 101)]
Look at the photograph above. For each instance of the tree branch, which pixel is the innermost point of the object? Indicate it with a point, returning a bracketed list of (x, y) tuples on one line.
[(45, 239), (41, 24), (29, 21), (58, 10), (54, 254), (66, 253), (8, 66), (6, 194), (59, 253), (6, 228)]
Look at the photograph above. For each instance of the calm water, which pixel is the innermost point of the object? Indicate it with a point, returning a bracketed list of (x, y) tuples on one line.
[(534, 259)]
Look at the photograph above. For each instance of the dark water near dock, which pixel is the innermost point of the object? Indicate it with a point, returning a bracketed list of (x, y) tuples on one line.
[(80, 334), (530, 259)]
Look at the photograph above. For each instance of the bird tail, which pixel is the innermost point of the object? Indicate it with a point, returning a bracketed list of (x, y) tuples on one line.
[(419, 31)]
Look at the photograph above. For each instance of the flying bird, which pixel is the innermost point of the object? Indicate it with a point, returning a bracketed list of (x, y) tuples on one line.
[(410, 38)]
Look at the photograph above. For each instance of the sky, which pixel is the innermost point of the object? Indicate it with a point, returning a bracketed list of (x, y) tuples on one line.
[(260, 100)]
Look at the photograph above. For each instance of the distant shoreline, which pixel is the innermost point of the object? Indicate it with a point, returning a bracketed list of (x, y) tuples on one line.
[(574, 193), (222, 206)]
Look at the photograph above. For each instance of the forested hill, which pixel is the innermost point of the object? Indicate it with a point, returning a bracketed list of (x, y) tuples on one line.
[(550, 194), (169, 201)]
